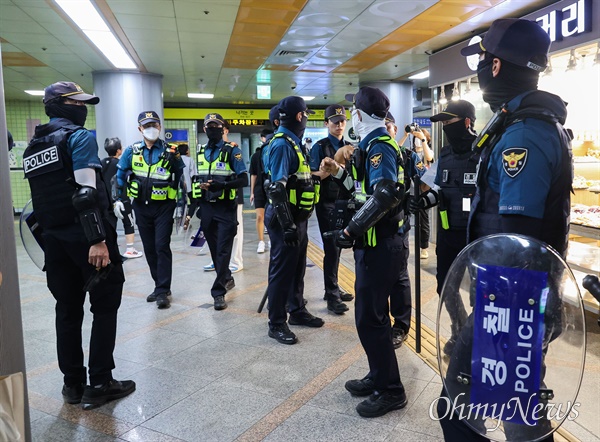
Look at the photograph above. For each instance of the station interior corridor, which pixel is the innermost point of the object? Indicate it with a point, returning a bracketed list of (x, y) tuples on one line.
[(206, 375)]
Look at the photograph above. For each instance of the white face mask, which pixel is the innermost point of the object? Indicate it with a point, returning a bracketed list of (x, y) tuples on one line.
[(368, 124), (151, 133)]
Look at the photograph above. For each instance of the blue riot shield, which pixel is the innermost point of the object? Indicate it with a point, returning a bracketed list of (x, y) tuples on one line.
[(511, 338)]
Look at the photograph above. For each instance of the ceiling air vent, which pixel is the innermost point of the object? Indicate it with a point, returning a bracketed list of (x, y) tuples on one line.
[(292, 54)]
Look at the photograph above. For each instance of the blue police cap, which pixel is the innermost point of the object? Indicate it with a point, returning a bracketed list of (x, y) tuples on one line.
[(68, 89), (518, 41), (147, 117)]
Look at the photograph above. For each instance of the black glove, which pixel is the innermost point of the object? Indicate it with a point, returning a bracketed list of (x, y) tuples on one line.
[(342, 240), (415, 204), (215, 186), (290, 236)]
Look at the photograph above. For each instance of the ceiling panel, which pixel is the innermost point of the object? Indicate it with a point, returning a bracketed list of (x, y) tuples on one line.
[(345, 42)]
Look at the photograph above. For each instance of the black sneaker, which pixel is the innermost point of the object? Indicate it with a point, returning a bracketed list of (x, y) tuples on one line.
[(152, 296), (305, 318), (282, 334), (72, 394), (220, 303), (360, 387), (379, 404), (398, 336), (336, 306), (346, 297), (162, 300), (229, 284), (95, 396)]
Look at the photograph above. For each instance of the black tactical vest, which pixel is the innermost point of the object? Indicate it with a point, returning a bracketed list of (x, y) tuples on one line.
[(49, 169), (457, 181)]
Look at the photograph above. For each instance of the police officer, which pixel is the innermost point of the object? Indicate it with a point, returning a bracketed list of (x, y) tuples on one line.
[(221, 173), (525, 171), (71, 205), (151, 170), (378, 250), (455, 178), (329, 192), (291, 196)]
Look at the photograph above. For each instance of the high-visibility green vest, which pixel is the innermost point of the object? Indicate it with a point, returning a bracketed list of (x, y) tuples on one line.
[(300, 185), (217, 170), (360, 193), (150, 181)]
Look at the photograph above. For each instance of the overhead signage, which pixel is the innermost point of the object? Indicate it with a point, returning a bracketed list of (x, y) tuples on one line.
[(570, 20)]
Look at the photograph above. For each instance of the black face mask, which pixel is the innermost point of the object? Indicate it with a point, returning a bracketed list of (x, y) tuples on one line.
[(71, 112), (297, 127), (214, 134), (459, 137), (511, 81)]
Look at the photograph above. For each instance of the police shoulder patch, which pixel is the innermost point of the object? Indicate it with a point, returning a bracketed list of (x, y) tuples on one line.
[(375, 160), (514, 160), (238, 156), (420, 165)]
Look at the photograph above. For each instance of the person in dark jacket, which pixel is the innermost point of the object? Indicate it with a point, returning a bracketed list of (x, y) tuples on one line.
[(71, 204), (525, 172), (113, 148)]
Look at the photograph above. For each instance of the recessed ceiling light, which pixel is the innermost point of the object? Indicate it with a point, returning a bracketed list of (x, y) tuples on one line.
[(191, 95), (419, 76), (308, 97), (93, 25), (38, 93)]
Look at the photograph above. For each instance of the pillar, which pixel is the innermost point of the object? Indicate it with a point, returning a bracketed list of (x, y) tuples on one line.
[(401, 101), (12, 350), (123, 95)]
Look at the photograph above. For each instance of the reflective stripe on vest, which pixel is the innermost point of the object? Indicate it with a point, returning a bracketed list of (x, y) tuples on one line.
[(208, 170), (157, 176), (306, 200)]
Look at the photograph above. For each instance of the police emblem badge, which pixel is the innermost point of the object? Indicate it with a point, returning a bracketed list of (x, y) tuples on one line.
[(375, 160), (514, 160)]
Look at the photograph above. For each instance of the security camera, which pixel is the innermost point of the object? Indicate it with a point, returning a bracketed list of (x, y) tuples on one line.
[(293, 85), (324, 97)]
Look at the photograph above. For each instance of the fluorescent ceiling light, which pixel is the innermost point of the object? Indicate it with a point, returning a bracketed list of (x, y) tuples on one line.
[(201, 95), (93, 25), (38, 93), (308, 98), (263, 91), (419, 76)]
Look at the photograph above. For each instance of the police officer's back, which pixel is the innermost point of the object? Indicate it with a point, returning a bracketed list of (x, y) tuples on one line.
[(71, 203)]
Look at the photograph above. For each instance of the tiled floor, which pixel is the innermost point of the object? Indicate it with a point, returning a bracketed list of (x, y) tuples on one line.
[(204, 375)]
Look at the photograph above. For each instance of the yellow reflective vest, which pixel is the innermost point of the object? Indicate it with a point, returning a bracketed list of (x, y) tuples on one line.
[(217, 170), (150, 182)]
